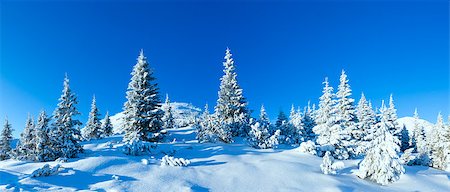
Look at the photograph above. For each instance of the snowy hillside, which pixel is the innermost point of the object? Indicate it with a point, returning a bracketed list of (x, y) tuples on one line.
[(409, 123), (213, 167), (182, 112)]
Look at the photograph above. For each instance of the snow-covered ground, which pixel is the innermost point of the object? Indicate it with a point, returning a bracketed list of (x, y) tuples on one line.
[(213, 167)]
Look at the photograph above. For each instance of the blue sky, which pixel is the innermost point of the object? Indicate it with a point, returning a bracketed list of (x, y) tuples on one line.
[(282, 51)]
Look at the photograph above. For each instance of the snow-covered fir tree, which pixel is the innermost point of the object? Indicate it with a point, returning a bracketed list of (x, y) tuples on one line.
[(231, 109), (168, 119), (287, 130), (5, 141), (392, 119), (44, 150), (440, 146), (65, 134), (419, 137), (308, 123), (327, 164), (327, 131), (381, 163), (259, 135), (25, 149), (93, 125), (366, 121), (107, 127), (142, 116), (404, 139), (211, 130), (298, 133), (346, 117)]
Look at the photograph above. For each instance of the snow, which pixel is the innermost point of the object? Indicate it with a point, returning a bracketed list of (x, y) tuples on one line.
[(409, 123), (213, 167)]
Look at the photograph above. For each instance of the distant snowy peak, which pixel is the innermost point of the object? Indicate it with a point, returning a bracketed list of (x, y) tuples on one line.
[(183, 113), (409, 123)]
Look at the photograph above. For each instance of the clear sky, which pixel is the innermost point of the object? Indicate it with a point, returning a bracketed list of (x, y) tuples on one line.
[(282, 52)]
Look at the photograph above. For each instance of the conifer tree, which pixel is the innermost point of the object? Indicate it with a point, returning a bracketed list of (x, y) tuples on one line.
[(404, 139), (366, 121), (392, 119), (308, 123), (44, 150), (346, 117), (259, 132), (327, 164), (231, 109), (168, 119), (142, 116), (93, 125), (5, 141), (65, 134), (419, 137), (327, 130), (107, 127), (440, 146), (297, 130), (26, 148), (211, 130), (381, 163)]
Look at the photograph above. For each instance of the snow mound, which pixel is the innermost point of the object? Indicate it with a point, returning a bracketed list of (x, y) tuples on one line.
[(174, 162), (45, 171)]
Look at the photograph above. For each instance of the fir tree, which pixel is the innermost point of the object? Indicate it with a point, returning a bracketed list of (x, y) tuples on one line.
[(231, 109), (44, 150), (65, 133), (308, 123), (93, 125), (381, 162), (5, 141), (404, 139), (366, 121), (107, 127), (395, 129), (419, 137), (211, 130), (297, 130), (346, 117), (26, 148), (327, 131), (440, 147), (142, 116), (259, 133), (327, 164), (168, 119)]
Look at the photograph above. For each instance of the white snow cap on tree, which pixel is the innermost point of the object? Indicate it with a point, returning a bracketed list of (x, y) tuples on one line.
[(5, 141), (142, 114), (381, 163), (231, 109)]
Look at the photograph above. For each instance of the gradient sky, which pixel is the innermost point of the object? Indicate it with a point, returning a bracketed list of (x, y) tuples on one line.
[(282, 52)]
